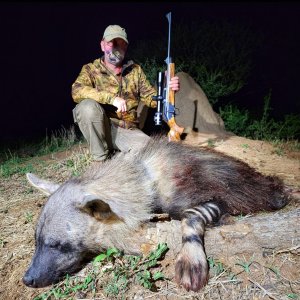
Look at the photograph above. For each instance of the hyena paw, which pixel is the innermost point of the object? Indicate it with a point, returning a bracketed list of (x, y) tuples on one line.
[(191, 269)]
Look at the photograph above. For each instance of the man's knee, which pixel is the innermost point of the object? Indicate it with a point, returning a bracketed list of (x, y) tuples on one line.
[(88, 109)]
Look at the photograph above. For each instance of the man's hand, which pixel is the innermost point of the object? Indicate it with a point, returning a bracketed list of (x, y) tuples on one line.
[(174, 84), (120, 103)]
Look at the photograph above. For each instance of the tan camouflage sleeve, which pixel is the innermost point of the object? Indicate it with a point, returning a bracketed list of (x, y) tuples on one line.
[(83, 88), (146, 90)]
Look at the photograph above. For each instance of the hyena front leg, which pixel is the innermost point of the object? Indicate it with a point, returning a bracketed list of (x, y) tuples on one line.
[(191, 270)]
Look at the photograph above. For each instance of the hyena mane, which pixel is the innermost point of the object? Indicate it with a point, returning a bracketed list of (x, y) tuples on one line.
[(183, 176)]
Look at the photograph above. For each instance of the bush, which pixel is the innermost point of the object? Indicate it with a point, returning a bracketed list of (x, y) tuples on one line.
[(242, 123), (235, 120)]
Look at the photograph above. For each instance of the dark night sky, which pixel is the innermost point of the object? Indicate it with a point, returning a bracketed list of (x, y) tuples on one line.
[(44, 45)]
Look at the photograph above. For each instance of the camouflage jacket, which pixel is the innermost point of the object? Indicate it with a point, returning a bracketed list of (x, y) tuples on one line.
[(97, 82)]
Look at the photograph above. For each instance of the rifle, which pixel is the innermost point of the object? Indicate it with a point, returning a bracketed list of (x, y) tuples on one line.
[(166, 96)]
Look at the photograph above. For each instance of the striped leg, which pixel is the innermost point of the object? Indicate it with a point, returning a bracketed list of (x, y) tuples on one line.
[(191, 270)]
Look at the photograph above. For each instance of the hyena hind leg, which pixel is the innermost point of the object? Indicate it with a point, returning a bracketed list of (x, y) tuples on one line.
[(191, 268)]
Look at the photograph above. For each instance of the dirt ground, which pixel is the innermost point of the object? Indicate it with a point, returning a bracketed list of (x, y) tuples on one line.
[(20, 206)]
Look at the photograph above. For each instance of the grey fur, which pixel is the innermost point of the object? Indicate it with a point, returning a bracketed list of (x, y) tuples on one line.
[(105, 206)]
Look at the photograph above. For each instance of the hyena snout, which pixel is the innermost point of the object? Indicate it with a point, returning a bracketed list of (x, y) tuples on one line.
[(49, 265), (43, 269), (35, 280), (29, 280)]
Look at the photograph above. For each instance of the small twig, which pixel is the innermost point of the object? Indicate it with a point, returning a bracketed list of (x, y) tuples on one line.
[(288, 250), (263, 289), (224, 281)]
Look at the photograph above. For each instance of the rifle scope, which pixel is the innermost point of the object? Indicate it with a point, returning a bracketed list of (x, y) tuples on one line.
[(159, 98)]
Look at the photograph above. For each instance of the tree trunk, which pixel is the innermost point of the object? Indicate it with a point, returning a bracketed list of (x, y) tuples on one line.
[(253, 235)]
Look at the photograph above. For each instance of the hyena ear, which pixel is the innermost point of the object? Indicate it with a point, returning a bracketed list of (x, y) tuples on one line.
[(97, 208), (44, 186)]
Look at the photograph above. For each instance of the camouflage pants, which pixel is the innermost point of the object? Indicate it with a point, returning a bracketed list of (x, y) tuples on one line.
[(101, 134)]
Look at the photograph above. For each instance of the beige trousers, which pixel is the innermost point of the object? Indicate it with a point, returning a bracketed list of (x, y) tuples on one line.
[(101, 134)]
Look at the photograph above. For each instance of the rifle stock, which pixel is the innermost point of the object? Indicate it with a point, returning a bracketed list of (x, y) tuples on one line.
[(175, 130)]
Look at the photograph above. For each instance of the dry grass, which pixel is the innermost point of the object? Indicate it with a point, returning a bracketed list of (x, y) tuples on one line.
[(275, 276)]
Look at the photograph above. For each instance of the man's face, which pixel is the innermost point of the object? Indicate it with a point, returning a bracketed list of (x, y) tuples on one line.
[(115, 43), (114, 50)]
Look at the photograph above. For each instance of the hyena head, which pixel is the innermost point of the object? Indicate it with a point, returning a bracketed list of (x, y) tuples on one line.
[(73, 226)]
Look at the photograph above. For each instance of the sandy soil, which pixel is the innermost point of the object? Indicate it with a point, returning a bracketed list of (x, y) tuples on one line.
[(20, 206)]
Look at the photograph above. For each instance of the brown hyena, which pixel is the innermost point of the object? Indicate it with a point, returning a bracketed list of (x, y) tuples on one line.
[(105, 206)]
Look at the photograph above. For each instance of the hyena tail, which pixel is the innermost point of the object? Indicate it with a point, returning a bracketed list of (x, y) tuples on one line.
[(191, 269)]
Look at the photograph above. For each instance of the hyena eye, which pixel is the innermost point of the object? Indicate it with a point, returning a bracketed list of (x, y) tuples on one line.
[(54, 245), (65, 247)]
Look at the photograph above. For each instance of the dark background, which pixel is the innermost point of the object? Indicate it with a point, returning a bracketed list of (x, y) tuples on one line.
[(44, 45)]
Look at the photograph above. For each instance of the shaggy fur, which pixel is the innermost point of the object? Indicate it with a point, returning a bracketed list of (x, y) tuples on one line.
[(105, 206)]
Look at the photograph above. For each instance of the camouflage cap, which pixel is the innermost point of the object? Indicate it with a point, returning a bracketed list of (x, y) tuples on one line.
[(115, 31)]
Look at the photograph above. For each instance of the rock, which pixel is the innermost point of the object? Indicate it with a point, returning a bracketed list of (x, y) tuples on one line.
[(194, 110)]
